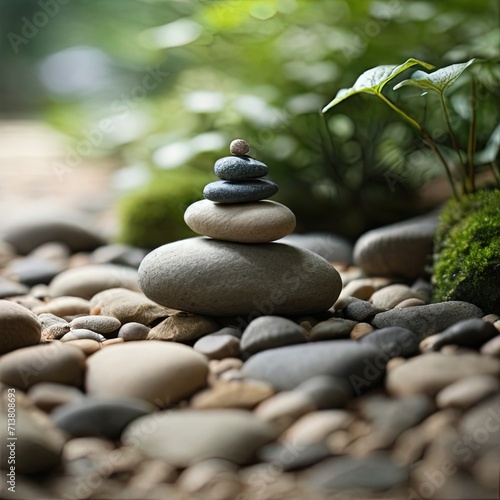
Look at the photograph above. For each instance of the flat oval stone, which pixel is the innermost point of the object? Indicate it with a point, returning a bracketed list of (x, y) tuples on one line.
[(287, 367), (133, 331), (267, 332), (237, 168), (99, 324), (159, 372), (104, 417), (82, 333), (254, 222), (19, 327), (53, 362), (428, 319), (220, 278), (403, 249), (395, 341), (239, 191), (181, 438), (473, 332), (86, 281)]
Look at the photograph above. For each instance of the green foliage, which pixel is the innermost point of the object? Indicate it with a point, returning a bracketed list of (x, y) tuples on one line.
[(373, 82), (261, 70), (467, 251), (154, 215)]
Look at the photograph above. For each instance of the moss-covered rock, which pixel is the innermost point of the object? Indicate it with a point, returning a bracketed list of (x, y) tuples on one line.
[(467, 251), (154, 215)]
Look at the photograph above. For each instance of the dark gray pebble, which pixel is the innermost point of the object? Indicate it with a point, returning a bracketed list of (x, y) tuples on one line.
[(237, 168), (239, 191), (472, 332), (427, 319), (294, 456), (395, 341), (99, 417)]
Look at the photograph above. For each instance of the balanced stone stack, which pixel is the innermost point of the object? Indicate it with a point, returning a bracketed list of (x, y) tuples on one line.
[(235, 269)]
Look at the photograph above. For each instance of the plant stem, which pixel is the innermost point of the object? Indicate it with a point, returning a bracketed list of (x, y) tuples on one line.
[(471, 146), (454, 141), (427, 138), (328, 156), (496, 172)]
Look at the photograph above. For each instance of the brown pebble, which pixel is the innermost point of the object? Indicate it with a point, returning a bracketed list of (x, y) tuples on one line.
[(409, 303), (219, 367), (491, 318), (492, 347), (360, 330), (112, 341), (428, 343), (394, 362), (239, 147)]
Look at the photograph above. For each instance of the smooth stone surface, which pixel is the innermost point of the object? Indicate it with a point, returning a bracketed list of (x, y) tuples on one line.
[(34, 270), (403, 249), (492, 347), (19, 327), (183, 327), (316, 426), (9, 288), (128, 306), (118, 253), (360, 310), (292, 457), (243, 395), (472, 332), (133, 331), (237, 168), (467, 392), (82, 333), (49, 395), (162, 373), (38, 447), (268, 332), (87, 346), (331, 247), (254, 222), (330, 329), (284, 408), (429, 319), (239, 191), (431, 372), (29, 233), (106, 417), (53, 362), (182, 438), (234, 279), (395, 341), (389, 296), (327, 392), (100, 324), (64, 306), (218, 346), (376, 472), (87, 281), (287, 367)]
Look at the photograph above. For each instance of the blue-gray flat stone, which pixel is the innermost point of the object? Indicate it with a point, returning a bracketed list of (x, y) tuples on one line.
[(238, 168), (428, 319), (361, 365), (239, 191)]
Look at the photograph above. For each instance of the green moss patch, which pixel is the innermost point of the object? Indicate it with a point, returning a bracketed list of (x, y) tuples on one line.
[(154, 215), (467, 251)]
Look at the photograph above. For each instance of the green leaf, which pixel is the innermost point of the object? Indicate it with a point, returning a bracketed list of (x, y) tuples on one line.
[(439, 80), (373, 80)]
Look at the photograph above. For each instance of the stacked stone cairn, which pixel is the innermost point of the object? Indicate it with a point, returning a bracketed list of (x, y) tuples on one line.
[(235, 269)]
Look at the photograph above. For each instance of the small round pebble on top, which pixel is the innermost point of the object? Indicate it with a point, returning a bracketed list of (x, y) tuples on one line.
[(239, 147)]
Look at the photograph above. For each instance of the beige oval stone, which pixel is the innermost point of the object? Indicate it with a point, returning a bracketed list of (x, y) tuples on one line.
[(183, 327), (255, 222), (429, 373), (160, 372), (243, 395), (64, 306), (19, 327), (467, 392), (52, 362), (182, 438), (87, 281)]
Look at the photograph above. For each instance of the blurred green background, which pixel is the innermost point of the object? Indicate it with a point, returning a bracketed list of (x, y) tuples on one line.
[(163, 85)]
